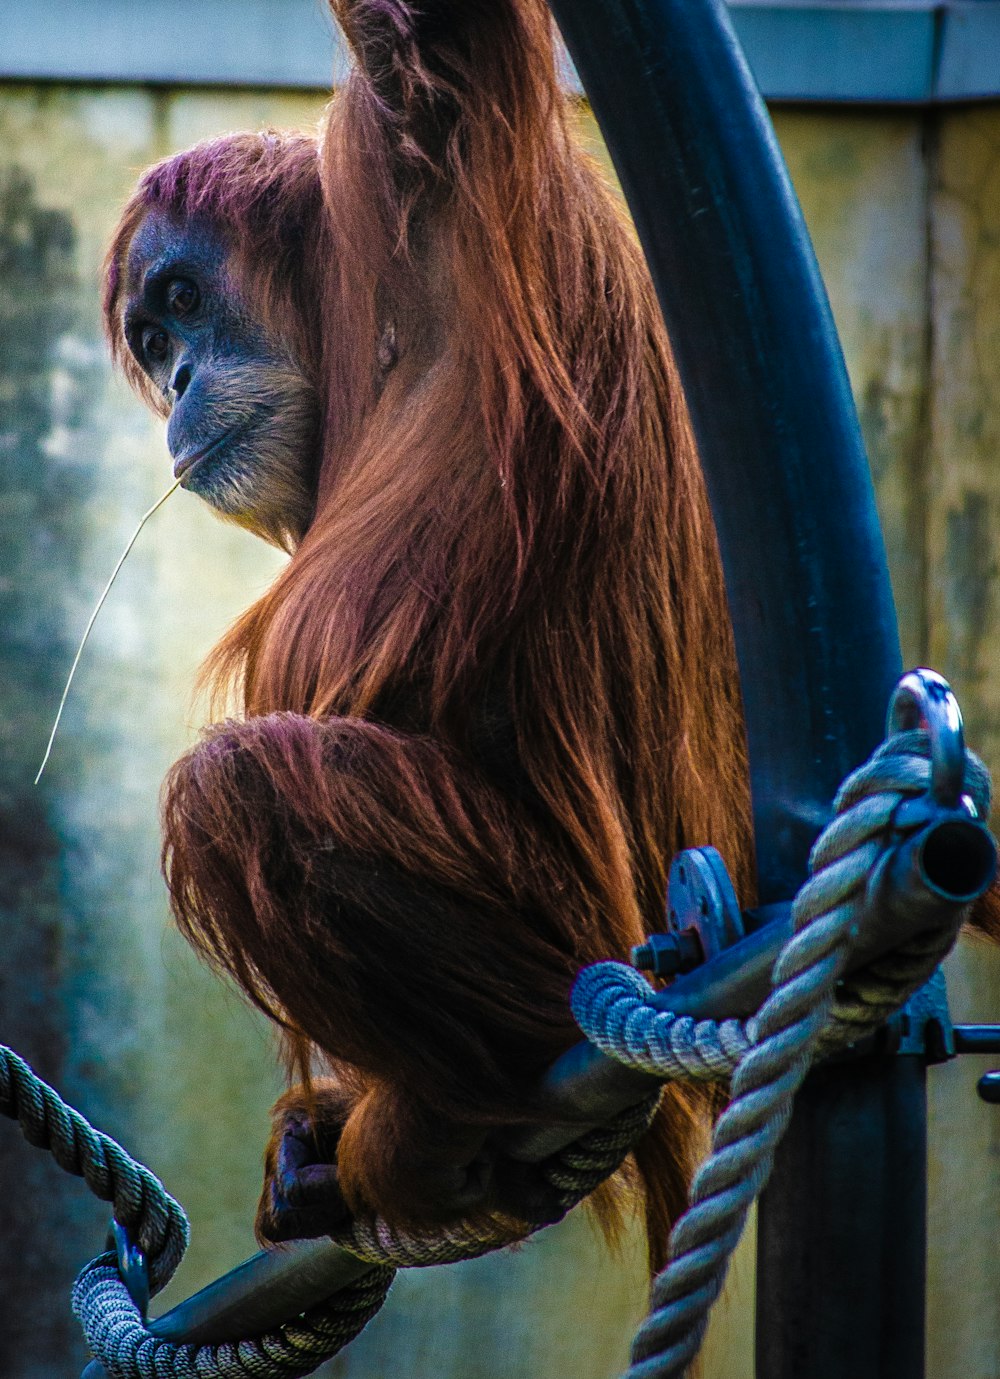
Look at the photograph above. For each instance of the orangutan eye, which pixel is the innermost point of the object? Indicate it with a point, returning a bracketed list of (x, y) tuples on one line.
[(155, 345), (183, 297)]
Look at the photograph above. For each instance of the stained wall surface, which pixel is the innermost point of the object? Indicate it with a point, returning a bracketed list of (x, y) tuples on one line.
[(98, 993)]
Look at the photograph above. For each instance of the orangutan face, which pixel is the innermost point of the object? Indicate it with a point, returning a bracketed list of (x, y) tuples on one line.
[(243, 418)]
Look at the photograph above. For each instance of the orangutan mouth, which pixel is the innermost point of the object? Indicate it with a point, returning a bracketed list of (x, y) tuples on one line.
[(184, 466)]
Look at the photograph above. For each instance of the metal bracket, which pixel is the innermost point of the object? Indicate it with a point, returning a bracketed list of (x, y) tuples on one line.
[(131, 1265), (923, 1026), (703, 916), (704, 919)]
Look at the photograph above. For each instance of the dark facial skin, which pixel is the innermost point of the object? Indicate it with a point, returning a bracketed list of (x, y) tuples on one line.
[(244, 419)]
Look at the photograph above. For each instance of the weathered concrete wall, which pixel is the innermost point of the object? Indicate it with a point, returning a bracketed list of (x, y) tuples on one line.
[(92, 989), (99, 994), (905, 215), (962, 496)]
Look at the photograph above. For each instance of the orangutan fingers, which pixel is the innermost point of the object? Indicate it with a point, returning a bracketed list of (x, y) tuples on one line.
[(302, 1177), (302, 1203), (298, 1174), (279, 1223), (313, 1185)]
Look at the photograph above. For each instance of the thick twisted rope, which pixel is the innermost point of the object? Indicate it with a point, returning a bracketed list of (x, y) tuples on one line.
[(119, 1338), (139, 1200), (769, 1055), (114, 1326), (117, 1334), (158, 1225)]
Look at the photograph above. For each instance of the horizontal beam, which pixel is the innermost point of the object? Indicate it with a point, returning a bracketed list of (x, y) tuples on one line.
[(914, 52), (895, 52)]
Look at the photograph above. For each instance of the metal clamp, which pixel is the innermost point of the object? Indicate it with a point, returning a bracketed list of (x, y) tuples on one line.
[(923, 1027), (703, 916), (131, 1265)]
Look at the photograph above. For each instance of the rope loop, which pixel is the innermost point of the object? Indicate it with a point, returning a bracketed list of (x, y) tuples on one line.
[(114, 1326), (765, 1059), (809, 1012), (116, 1333)]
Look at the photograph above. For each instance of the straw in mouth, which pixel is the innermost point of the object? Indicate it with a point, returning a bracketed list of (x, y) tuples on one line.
[(100, 604)]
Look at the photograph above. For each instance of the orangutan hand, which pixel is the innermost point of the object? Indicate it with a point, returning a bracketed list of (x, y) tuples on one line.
[(301, 1198)]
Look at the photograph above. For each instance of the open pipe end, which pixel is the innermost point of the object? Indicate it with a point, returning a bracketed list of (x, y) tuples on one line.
[(957, 860), (988, 1088)]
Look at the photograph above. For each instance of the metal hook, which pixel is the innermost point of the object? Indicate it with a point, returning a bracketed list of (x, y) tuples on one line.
[(924, 699), (131, 1265)]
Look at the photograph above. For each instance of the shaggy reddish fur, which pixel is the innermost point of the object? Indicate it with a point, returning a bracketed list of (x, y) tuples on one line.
[(494, 690)]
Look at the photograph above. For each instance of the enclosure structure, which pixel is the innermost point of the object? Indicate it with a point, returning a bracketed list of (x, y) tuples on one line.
[(890, 208)]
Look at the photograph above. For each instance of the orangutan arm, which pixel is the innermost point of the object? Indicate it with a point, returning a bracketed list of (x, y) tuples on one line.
[(375, 895), (438, 71)]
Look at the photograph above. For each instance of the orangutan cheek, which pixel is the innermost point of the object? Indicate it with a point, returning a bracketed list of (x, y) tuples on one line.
[(246, 442), (263, 480)]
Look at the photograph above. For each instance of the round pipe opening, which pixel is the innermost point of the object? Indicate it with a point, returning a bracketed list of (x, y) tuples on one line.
[(958, 860)]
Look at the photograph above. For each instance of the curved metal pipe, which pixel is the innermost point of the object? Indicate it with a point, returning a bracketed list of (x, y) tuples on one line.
[(925, 882), (769, 398)]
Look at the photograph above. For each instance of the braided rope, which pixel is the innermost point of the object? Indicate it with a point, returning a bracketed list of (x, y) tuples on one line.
[(116, 1333), (770, 1054), (113, 1324), (139, 1200), (157, 1223)]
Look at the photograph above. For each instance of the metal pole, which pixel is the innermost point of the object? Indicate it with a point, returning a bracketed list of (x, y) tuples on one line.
[(808, 588), (842, 1250)]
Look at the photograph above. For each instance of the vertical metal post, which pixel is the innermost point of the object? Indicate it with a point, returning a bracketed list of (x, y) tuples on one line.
[(841, 1239), (841, 1257)]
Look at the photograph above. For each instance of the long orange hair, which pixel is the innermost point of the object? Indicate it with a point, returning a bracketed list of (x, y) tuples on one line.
[(512, 545)]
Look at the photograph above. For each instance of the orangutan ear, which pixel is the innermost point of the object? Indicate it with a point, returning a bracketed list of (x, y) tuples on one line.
[(388, 349)]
